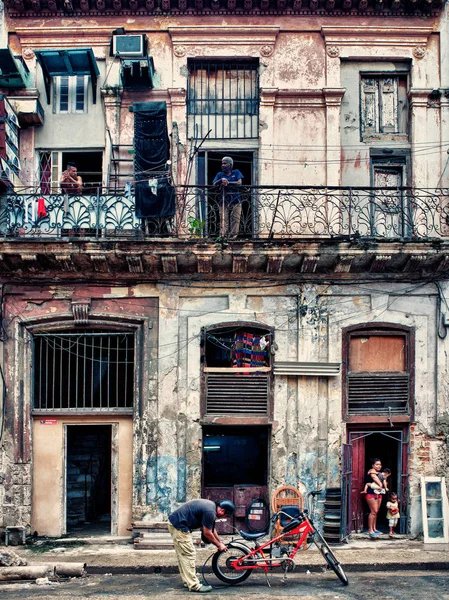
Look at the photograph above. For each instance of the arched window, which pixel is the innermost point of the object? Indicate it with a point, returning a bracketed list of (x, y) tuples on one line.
[(378, 363), (237, 367)]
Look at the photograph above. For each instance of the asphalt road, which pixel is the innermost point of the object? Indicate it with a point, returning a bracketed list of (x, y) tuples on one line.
[(362, 586)]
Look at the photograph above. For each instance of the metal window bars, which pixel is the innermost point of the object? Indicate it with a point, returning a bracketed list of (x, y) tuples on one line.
[(83, 371), (223, 98)]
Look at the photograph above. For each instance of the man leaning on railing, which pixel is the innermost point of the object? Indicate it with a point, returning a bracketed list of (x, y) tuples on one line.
[(230, 203)]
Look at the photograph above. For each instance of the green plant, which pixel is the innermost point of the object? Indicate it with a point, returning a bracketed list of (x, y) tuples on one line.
[(196, 226)]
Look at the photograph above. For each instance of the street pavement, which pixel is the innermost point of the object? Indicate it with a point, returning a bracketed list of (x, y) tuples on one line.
[(377, 585), (359, 554)]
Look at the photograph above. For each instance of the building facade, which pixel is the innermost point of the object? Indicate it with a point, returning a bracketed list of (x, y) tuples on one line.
[(150, 353)]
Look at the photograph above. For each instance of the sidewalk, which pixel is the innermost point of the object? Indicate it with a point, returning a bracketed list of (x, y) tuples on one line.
[(118, 556)]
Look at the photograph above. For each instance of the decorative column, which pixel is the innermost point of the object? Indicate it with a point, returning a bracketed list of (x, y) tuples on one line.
[(178, 117), (266, 135), (332, 99), (419, 99), (112, 99)]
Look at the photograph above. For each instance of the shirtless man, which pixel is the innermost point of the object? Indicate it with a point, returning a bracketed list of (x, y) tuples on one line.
[(71, 182)]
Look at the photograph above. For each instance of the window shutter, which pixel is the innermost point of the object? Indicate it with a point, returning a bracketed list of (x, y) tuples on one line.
[(378, 393), (389, 104), (64, 94), (79, 93), (229, 394), (370, 105)]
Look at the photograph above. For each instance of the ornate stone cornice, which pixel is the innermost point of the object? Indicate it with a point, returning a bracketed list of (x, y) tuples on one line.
[(70, 9), (342, 36), (203, 35)]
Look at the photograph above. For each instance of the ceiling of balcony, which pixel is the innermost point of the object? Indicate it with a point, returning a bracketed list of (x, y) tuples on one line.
[(122, 261), (21, 8)]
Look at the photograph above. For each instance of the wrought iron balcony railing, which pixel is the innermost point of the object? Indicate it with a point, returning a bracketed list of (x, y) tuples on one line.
[(212, 213)]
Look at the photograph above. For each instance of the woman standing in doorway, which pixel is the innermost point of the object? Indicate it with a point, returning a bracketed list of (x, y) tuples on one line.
[(374, 500)]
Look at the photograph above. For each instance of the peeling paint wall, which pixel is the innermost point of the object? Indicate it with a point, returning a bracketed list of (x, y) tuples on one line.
[(309, 89), (307, 429)]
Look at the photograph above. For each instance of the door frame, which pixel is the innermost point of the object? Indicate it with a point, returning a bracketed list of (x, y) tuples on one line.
[(361, 432), (114, 469)]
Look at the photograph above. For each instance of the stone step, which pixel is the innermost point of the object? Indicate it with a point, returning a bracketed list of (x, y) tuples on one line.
[(150, 525)]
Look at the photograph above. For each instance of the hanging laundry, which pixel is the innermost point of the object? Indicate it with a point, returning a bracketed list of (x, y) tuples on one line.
[(247, 351), (41, 208), (152, 184), (128, 194)]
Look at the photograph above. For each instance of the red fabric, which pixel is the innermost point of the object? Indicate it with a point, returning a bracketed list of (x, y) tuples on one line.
[(41, 209)]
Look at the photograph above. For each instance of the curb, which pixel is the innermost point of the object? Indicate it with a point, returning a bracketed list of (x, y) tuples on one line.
[(350, 567)]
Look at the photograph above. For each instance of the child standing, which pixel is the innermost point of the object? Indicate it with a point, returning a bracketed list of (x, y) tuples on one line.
[(392, 513)]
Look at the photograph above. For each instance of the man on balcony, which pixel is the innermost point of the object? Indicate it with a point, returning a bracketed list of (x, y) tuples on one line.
[(71, 182), (230, 202)]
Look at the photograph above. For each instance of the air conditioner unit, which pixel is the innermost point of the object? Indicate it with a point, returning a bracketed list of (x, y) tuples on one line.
[(128, 46)]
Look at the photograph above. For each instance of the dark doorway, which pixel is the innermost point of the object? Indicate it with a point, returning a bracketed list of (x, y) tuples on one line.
[(235, 467), (88, 480), (390, 447), (90, 168), (208, 165)]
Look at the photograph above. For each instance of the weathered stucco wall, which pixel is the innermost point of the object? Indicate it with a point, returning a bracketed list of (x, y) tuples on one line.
[(307, 67), (307, 428)]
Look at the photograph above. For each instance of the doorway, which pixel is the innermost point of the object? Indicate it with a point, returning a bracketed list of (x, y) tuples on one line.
[(235, 467), (208, 165), (88, 479), (390, 447)]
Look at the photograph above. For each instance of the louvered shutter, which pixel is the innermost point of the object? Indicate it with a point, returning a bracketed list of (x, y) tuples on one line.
[(236, 394), (378, 393)]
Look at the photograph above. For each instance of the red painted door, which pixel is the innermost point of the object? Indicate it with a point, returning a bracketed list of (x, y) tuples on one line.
[(358, 504)]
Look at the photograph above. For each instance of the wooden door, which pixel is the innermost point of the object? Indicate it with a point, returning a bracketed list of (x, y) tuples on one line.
[(357, 441)]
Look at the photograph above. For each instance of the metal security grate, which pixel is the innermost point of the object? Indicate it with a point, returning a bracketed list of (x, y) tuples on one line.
[(237, 394), (83, 371), (223, 99), (378, 394)]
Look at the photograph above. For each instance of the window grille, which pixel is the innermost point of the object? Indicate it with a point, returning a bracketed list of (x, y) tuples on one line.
[(83, 371), (45, 172), (223, 98)]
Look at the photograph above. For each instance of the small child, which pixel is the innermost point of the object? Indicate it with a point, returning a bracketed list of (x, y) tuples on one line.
[(382, 479), (392, 513)]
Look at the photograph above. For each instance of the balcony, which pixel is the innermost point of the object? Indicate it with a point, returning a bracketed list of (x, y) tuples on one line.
[(282, 231)]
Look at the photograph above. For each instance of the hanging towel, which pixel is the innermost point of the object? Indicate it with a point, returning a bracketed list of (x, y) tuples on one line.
[(41, 209)]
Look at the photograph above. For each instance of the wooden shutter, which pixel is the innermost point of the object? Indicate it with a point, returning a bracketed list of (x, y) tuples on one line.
[(388, 92), (378, 393), (228, 394), (370, 105), (380, 102)]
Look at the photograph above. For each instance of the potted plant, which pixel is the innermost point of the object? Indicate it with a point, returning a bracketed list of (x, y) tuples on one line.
[(196, 227)]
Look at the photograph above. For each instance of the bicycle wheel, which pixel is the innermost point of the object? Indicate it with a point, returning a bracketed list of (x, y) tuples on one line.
[(221, 565), (330, 557)]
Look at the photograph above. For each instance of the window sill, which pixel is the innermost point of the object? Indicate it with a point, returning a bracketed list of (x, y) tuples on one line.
[(67, 412), (377, 418), (237, 369), (385, 137)]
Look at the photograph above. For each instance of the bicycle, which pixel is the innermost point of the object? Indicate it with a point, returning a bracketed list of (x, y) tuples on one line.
[(239, 561)]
